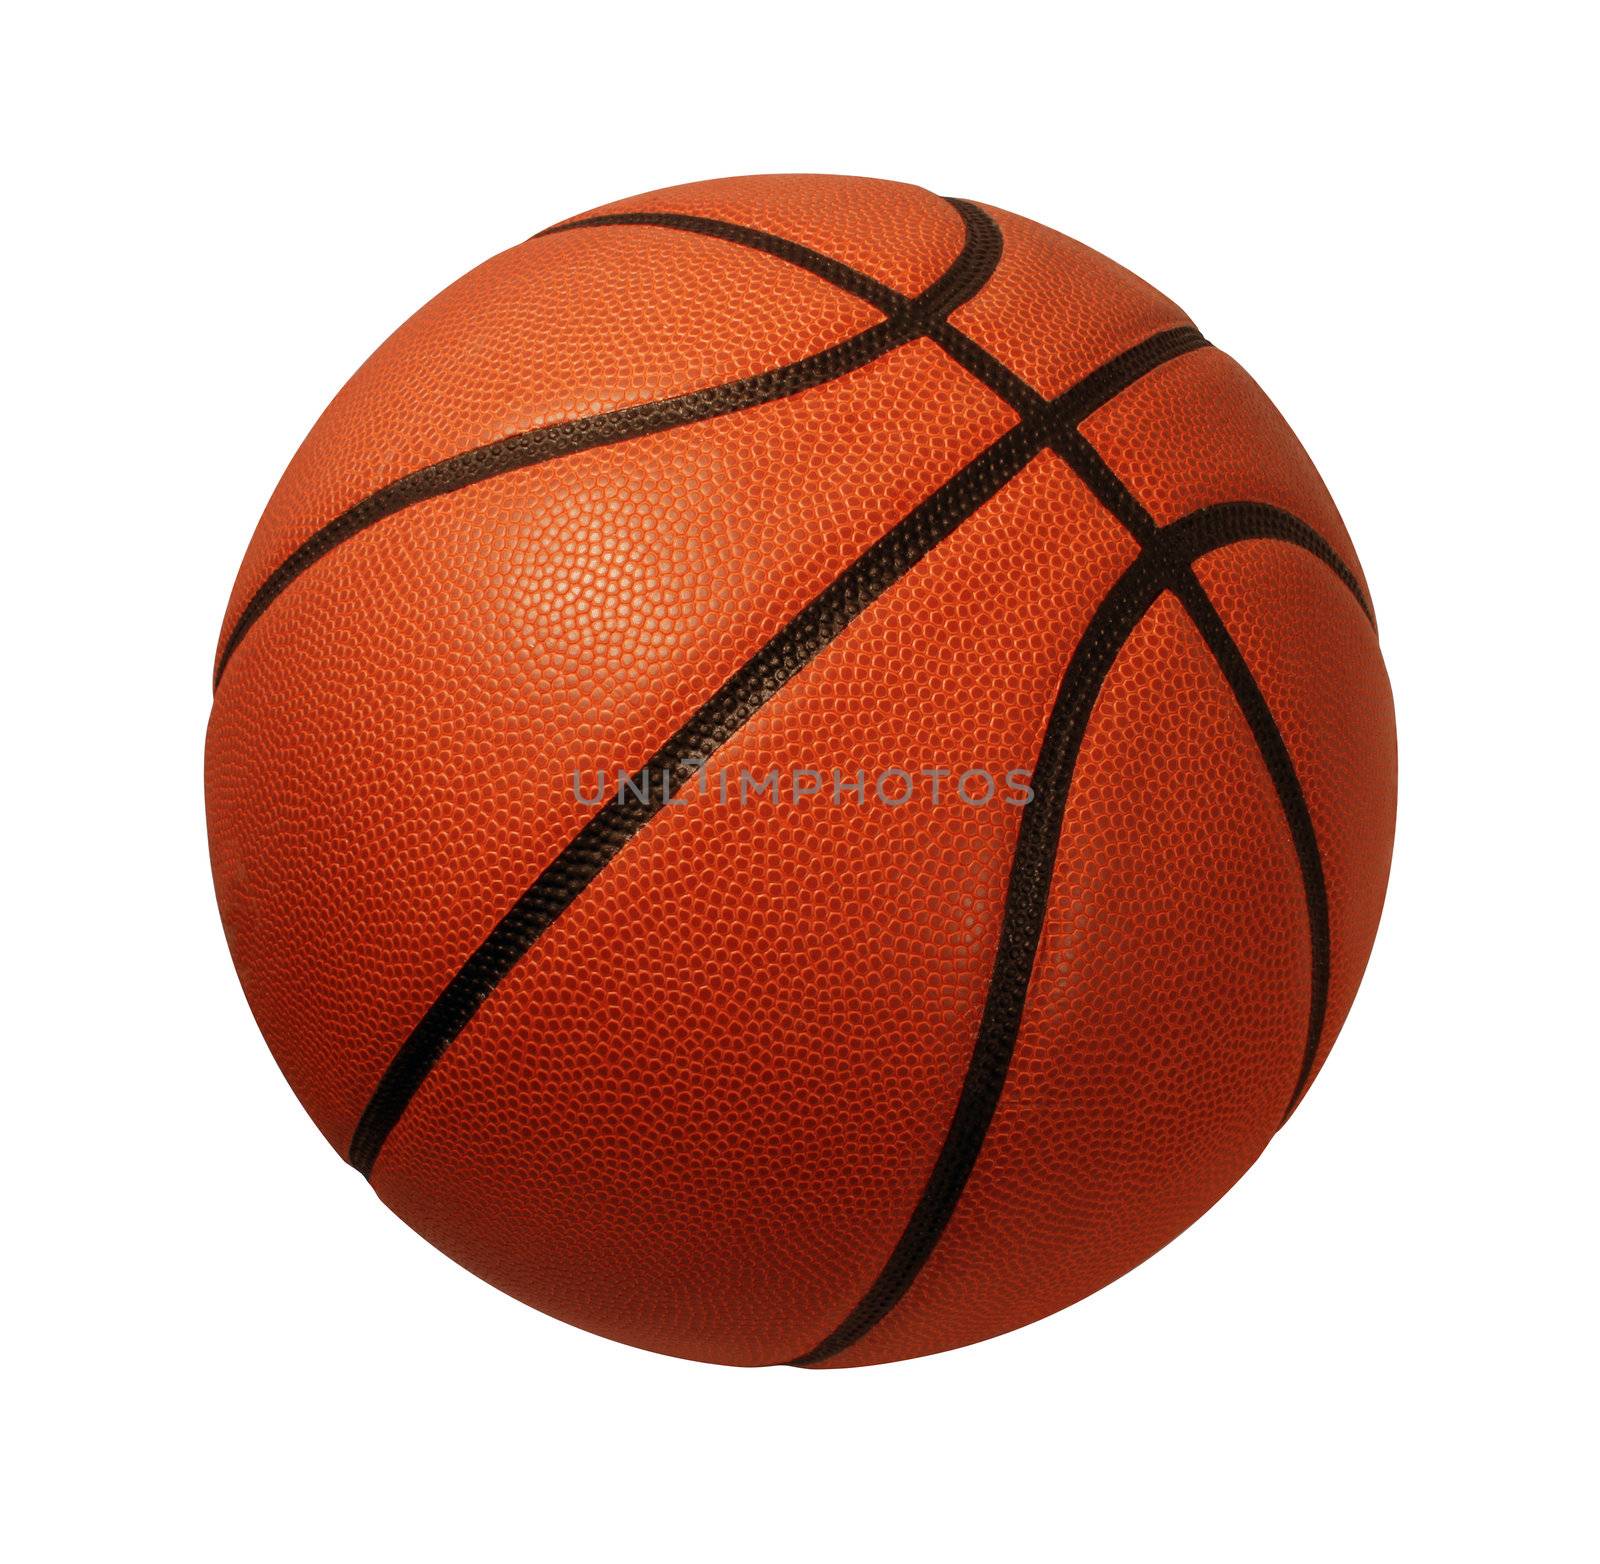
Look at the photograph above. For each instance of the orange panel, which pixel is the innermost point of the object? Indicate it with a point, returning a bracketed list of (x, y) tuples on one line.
[(1316, 658)]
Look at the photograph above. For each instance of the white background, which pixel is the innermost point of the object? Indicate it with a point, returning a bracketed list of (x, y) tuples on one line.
[(222, 1347)]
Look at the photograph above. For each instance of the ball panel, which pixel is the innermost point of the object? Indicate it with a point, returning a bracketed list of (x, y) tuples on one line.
[(561, 327), (697, 1115), (1166, 1013), (390, 753), (901, 235), (1055, 309), (1315, 656)]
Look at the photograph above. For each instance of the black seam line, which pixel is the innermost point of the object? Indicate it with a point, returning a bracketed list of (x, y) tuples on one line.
[(878, 294), (1087, 396), (905, 320), (746, 691), (1027, 895), (1243, 521), (1292, 800), (1162, 566)]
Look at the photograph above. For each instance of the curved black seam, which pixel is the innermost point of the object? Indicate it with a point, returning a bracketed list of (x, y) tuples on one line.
[(622, 818), (1291, 799), (555, 440), (906, 319), (980, 249), (1243, 521), (878, 294), (1164, 565), (1027, 896)]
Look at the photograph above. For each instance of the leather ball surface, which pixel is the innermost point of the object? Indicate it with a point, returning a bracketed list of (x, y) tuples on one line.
[(792, 495)]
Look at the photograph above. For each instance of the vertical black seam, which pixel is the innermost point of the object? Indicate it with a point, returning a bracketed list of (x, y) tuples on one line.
[(1291, 799), (1022, 924)]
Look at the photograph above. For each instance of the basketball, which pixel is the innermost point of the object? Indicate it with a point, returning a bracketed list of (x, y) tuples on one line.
[(800, 771)]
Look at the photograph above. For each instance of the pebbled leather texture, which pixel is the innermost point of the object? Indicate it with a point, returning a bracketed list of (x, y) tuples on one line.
[(728, 1099)]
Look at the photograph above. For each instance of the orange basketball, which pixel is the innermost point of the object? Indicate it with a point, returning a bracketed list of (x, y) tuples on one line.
[(800, 772)]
